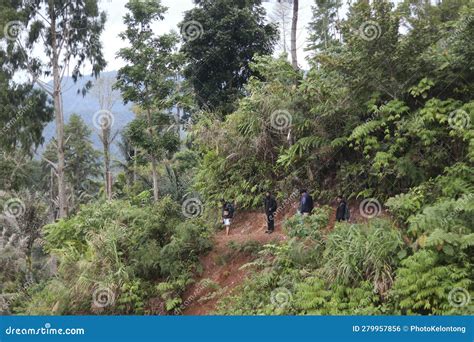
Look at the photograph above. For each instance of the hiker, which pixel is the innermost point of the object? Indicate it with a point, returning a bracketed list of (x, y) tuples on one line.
[(270, 209), (227, 214), (306, 203), (342, 211)]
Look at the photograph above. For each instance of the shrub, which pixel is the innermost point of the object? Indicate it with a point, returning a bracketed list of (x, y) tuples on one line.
[(314, 297), (308, 226), (181, 254), (357, 252), (423, 286), (116, 249)]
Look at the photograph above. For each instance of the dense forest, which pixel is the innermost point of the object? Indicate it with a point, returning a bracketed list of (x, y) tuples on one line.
[(383, 116)]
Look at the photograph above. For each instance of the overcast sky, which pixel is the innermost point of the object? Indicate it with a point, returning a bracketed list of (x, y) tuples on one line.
[(115, 10)]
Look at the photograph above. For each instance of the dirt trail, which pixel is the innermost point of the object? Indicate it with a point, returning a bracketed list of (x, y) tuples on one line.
[(246, 227)]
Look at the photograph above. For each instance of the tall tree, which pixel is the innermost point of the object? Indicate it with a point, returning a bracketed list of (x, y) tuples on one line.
[(220, 39), (106, 96), (281, 16), (322, 28), (68, 32), (24, 110), (148, 78), (294, 27), (81, 160)]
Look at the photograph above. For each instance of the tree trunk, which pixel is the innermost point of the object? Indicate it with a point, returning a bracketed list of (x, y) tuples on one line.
[(153, 161), (294, 23), (134, 178), (107, 175), (155, 178), (58, 111)]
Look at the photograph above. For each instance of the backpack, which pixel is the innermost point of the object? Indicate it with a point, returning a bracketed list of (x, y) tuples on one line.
[(229, 207)]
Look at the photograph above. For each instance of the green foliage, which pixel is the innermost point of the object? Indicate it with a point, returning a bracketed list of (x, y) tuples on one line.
[(308, 226), (323, 25), (213, 45), (152, 222), (289, 282), (119, 248), (21, 257), (357, 252), (239, 153), (82, 163), (314, 297), (381, 112), (348, 271), (422, 285), (170, 292), (188, 241), (24, 113)]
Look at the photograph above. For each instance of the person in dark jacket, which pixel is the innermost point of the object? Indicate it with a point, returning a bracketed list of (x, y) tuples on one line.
[(306, 203), (342, 209), (270, 209), (227, 214)]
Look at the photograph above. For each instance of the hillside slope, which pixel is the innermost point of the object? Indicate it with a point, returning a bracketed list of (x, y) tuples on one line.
[(222, 267)]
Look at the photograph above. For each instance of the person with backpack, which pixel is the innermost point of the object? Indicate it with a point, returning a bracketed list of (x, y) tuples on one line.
[(227, 214), (342, 211), (306, 203), (270, 205)]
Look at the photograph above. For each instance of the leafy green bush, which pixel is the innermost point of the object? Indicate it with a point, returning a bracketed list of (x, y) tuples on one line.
[(308, 226), (114, 251), (357, 252), (180, 255), (314, 297), (423, 286)]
